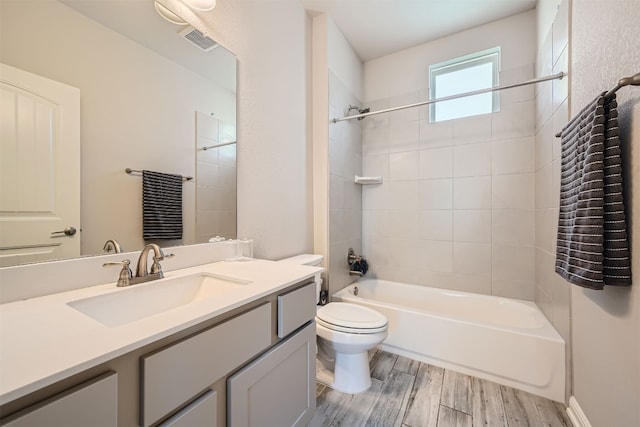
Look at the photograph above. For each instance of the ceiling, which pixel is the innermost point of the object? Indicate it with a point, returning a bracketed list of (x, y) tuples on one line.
[(377, 28)]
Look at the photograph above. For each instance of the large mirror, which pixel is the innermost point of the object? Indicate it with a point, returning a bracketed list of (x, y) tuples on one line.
[(149, 99)]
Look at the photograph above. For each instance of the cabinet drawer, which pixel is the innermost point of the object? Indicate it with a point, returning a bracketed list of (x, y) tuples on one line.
[(296, 308), (176, 374), (94, 403), (202, 412), (278, 388)]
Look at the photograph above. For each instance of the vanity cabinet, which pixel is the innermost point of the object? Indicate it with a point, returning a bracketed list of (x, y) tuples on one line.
[(252, 365), (93, 403)]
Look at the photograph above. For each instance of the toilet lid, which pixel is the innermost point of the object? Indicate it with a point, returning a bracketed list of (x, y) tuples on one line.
[(344, 316)]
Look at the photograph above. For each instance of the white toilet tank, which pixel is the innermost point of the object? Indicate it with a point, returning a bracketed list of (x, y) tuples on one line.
[(312, 260)]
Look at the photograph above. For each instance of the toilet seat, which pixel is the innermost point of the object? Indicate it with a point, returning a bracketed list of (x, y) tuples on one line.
[(351, 318)]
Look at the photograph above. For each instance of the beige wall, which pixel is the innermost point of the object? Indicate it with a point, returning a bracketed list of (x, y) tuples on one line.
[(606, 324), (272, 41), (148, 124)]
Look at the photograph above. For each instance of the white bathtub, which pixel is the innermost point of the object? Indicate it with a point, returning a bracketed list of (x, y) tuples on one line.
[(500, 339)]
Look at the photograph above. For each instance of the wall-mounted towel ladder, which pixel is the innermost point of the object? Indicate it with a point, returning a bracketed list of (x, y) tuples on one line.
[(139, 172)]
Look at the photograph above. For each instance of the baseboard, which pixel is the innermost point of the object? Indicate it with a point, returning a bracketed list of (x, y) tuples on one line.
[(576, 415)]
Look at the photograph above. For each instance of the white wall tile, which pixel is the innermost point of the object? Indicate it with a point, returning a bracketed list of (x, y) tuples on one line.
[(543, 188), (517, 75), (336, 192), (404, 136), (472, 259), (436, 279), (560, 31), (375, 224), (408, 114), (402, 195), (403, 166), (403, 223), (512, 156), (376, 135), (436, 255), (436, 194), (513, 269), (514, 121), (546, 229), (472, 193), (376, 165), (470, 130), (544, 141), (472, 160), (560, 119), (436, 163), (560, 88), (433, 135), (375, 197), (472, 226), (472, 283), (513, 191), (513, 227), (436, 225)]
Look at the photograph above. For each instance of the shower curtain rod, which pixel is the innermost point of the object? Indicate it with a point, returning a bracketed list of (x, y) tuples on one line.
[(558, 76)]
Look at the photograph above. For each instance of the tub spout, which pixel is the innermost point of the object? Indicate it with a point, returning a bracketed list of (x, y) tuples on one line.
[(355, 273)]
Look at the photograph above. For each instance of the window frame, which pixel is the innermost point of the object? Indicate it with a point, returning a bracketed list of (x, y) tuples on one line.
[(487, 56)]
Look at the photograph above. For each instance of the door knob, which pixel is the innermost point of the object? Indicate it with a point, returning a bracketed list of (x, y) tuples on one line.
[(69, 231)]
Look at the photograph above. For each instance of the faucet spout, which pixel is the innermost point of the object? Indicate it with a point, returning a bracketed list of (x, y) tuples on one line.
[(112, 245), (143, 274)]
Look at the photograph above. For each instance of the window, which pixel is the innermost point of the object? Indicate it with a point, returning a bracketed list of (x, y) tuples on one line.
[(465, 74)]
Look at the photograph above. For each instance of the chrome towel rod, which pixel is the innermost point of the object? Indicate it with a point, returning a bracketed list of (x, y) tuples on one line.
[(625, 81), (557, 76), (132, 171), (209, 147)]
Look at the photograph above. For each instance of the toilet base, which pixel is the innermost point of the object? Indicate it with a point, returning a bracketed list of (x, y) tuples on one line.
[(351, 373)]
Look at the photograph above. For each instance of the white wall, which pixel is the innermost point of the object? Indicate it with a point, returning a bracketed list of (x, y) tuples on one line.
[(272, 42), (606, 324), (456, 209), (143, 127)]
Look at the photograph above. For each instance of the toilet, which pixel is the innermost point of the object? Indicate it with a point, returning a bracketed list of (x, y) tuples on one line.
[(345, 334)]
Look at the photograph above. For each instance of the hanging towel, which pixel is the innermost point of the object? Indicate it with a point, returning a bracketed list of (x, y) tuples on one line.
[(593, 248), (161, 206)]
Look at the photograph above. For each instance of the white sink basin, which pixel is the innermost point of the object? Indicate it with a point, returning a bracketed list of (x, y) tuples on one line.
[(139, 301)]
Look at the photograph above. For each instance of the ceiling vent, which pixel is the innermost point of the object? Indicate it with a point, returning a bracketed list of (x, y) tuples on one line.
[(198, 38)]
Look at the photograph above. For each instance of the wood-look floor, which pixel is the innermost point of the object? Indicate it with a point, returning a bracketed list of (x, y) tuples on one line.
[(407, 393)]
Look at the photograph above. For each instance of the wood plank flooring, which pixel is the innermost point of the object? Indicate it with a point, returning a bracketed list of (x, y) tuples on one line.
[(407, 393)]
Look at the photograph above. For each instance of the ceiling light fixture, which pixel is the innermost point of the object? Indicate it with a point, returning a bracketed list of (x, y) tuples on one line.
[(201, 5), (168, 15)]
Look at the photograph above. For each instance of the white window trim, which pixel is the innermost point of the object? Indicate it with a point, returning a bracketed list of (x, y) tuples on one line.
[(483, 57)]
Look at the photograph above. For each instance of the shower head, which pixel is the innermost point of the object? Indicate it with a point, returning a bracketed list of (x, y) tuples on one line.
[(359, 110)]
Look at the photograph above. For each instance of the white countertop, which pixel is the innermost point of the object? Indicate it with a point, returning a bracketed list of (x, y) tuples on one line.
[(44, 340)]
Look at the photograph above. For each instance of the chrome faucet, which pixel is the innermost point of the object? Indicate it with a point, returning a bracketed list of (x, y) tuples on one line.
[(112, 245), (142, 273)]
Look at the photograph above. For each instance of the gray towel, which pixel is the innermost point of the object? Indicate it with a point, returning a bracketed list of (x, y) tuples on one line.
[(593, 248), (161, 206)]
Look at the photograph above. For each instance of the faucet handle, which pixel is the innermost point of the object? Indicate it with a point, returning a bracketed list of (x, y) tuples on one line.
[(125, 274), (156, 267)]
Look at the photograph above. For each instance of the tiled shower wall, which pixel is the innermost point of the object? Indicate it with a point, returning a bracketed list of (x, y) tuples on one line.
[(456, 209), (552, 293), (345, 197)]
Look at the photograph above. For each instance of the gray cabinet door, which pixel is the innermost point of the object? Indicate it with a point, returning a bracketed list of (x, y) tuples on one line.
[(202, 412), (94, 403), (278, 388)]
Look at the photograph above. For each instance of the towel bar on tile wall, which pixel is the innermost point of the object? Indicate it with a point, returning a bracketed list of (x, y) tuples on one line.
[(139, 172), (625, 81)]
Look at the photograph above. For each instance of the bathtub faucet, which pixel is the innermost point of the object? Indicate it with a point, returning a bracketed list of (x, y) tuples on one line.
[(355, 273)]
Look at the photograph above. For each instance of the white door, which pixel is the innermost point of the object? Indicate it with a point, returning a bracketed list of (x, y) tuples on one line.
[(39, 168)]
